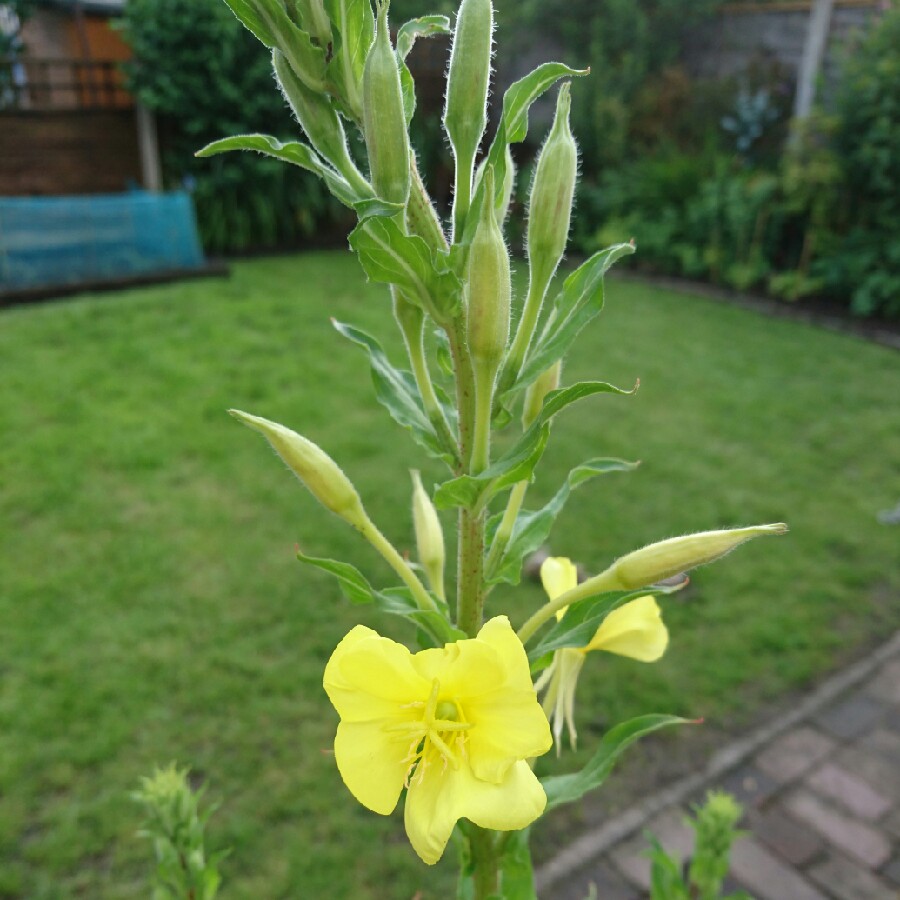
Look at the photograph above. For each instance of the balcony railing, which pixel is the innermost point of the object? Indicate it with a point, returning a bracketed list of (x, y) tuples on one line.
[(61, 84)]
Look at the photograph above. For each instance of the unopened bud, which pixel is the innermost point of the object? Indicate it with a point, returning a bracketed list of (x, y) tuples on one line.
[(537, 391), (509, 181), (384, 121), (465, 113), (489, 289), (429, 536), (315, 468), (550, 208), (667, 558)]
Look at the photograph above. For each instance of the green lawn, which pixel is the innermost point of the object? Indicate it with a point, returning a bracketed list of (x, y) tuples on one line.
[(152, 609)]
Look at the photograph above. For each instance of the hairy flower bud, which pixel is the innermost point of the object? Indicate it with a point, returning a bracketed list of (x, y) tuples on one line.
[(509, 182), (465, 113), (489, 290), (315, 468), (550, 209), (667, 558), (318, 118), (384, 122), (537, 391), (429, 536)]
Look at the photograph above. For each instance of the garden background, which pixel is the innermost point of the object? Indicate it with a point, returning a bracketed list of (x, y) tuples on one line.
[(152, 604)]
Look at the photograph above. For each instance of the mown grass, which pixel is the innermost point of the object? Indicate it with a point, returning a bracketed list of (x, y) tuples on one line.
[(153, 610)]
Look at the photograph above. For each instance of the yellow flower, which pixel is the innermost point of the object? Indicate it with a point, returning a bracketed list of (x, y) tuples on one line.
[(635, 630), (453, 724)]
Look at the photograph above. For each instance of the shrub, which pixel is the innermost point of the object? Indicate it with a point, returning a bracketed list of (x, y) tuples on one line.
[(251, 203)]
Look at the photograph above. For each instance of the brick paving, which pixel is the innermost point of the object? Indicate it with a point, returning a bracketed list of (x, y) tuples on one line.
[(821, 791)]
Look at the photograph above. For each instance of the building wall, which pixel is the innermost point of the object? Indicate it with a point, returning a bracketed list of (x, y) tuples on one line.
[(68, 152), (746, 33), (57, 34)]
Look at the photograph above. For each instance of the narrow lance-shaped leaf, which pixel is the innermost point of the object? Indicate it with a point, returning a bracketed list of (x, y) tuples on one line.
[(422, 27), (579, 301), (562, 789), (396, 391), (532, 528), (582, 619), (396, 601), (518, 463), (354, 25), (300, 154), (513, 127)]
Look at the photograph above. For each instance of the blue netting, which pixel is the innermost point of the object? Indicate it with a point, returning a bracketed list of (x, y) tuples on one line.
[(49, 241)]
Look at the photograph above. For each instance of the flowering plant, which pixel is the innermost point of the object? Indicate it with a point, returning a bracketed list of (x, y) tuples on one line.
[(458, 724)]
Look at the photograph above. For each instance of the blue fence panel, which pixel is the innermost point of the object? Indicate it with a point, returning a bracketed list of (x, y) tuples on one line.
[(49, 241)]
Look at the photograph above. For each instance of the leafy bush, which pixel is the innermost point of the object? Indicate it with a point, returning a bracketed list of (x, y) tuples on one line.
[(250, 203)]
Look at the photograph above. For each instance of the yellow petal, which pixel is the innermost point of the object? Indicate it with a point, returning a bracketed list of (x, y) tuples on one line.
[(443, 796), (370, 677), (558, 575), (372, 762), (508, 722), (635, 629)]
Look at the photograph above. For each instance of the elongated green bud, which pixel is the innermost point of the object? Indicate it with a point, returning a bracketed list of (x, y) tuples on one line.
[(315, 468), (429, 536), (318, 118), (550, 208), (489, 290), (534, 397), (384, 122), (676, 555), (465, 113)]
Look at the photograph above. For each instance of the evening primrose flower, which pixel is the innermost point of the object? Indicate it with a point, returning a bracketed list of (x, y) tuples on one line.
[(454, 725), (635, 630)]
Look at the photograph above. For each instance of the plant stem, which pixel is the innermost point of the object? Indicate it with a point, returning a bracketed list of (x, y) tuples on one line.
[(371, 533), (486, 875), (462, 197), (481, 439), (470, 571), (537, 288)]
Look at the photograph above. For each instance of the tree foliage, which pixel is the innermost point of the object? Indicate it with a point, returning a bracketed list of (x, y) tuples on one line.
[(205, 77)]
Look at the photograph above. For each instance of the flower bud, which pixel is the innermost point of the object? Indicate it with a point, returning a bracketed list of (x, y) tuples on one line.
[(318, 118), (550, 209), (537, 391), (465, 113), (384, 122), (315, 468), (667, 558), (429, 536), (489, 289), (509, 182)]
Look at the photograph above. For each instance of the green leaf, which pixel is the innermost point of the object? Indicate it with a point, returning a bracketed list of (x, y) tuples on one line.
[(407, 90), (250, 18), (515, 867), (353, 25), (518, 463), (562, 789), (396, 391), (302, 155), (578, 302), (422, 27), (294, 152), (513, 127), (396, 601), (392, 257), (582, 619), (532, 528)]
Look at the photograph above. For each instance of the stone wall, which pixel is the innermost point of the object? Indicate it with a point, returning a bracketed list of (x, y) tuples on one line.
[(744, 34)]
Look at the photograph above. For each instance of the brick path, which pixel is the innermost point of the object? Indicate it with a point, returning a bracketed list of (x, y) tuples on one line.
[(821, 789)]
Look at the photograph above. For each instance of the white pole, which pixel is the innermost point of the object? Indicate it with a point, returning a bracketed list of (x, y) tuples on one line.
[(813, 52), (149, 148)]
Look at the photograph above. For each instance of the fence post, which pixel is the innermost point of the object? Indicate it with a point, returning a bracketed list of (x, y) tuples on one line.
[(813, 51), (149, 147)]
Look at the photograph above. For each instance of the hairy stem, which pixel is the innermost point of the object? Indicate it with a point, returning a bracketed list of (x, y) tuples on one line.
[(486, 875), (505, 528)]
